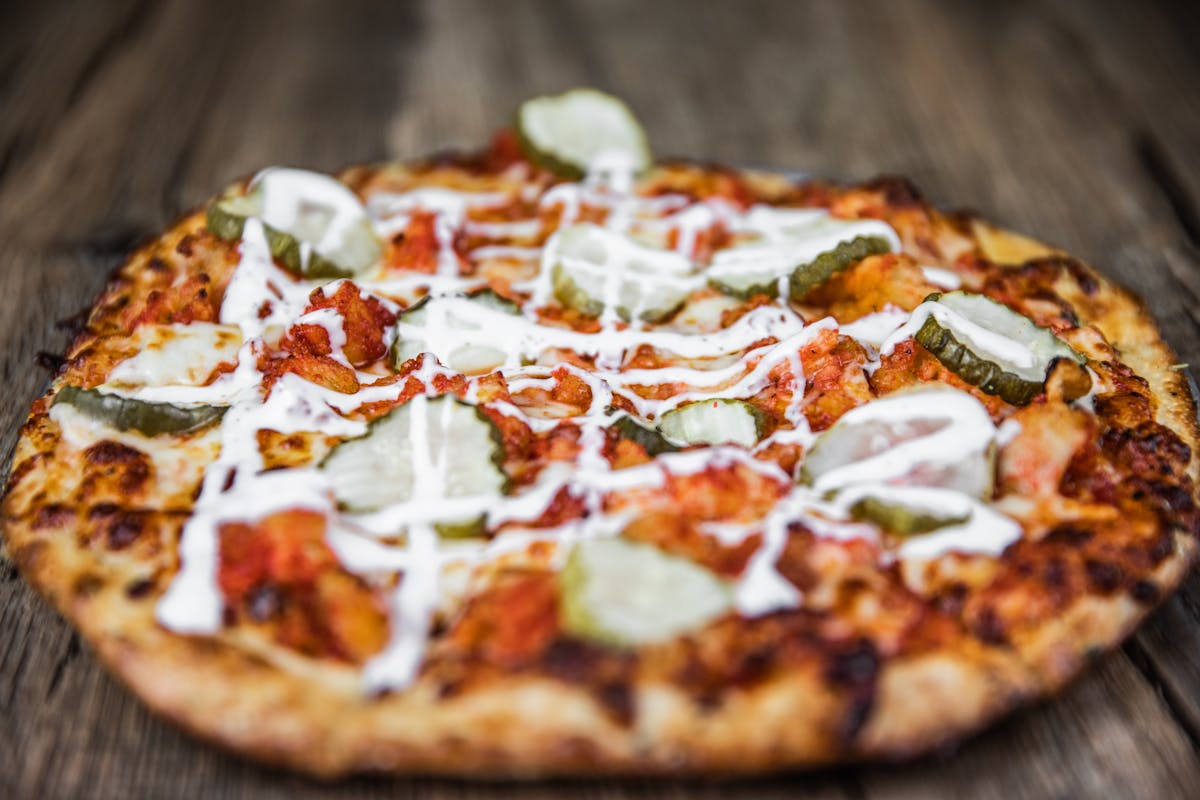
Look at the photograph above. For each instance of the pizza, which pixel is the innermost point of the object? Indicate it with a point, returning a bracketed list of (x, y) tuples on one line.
[(553, 458)]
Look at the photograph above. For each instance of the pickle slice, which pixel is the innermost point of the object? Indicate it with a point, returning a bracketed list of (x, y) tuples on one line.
[(314, 224), (625, 594), (744, 285), (473, 528), (807, 277), (717, 421), (434, 450), (571, 133), (931, 522), (938, 437), (650, 440), (470, 358), (989, 345), (149, 419), (593, 267), (903, 519)]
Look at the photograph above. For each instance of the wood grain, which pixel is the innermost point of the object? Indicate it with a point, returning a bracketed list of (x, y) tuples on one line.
[(1074, 122)]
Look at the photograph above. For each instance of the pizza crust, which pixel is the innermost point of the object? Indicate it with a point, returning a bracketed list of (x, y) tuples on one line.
[(522, 725), (325, 727)]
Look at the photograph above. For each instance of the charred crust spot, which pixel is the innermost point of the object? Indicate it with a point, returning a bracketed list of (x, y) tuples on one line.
[(857, 664), (109, 452), (989, 628), (1148, 447), (604, 672), (28, 556), (74, 324), (140, 588), (855, 670), (1177, 500), (51, 362), (263, 602), (1103, 576), (381, 693), (571, 659), (52, 515), (156, 264), (23, 470), (1048, 265), (951, 600), (1055, 573), (857, 713), (1145, 591), (709, 702), (754, 664), (124, 532), (960, 219), (617, 700), (86, 585), (897, 191), (1162, 548), (119, 527), (132, 466), (186, 245), (1068, 535)]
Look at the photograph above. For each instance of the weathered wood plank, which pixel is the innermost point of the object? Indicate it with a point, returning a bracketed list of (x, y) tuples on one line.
[(1074, 123), (1079, 745)]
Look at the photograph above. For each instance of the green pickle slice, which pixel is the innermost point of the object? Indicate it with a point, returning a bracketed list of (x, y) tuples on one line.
[(901, 518), (474, 358), (968, 341), (717, 421), (624, 594), (887, 440), (746, 285), (569, 133), (127, 413), (319, 202), (650, 440), (807, 277), (593, 266), (380, 468)]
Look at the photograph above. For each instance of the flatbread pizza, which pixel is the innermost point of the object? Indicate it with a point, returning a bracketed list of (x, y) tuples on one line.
[(558, 459)]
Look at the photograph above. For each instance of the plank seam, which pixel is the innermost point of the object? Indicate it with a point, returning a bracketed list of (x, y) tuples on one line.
[(1154, 676), (1152, 157), (69, 654), (121, 34)]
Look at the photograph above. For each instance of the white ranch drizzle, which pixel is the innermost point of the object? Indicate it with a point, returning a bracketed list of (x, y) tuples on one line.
[(943, 278), (876, 328), (984, 531), (965, 431), (1016, 356), (288, 199), (262, 301), (789, 237)]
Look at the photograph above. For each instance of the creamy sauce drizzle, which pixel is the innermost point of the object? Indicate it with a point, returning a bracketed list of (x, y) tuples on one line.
[(262, 301)]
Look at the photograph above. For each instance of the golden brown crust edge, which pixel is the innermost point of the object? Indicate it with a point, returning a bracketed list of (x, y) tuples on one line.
[(1062, 647), (252, 708)]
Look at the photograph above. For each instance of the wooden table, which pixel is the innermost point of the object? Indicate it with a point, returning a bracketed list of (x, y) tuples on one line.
[(1075, 122)]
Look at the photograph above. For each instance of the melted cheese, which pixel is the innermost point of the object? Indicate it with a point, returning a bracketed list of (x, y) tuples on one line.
[(176, 355)]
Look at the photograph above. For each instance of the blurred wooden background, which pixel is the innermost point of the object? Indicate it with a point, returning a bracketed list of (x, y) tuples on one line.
[(1075, 122)]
